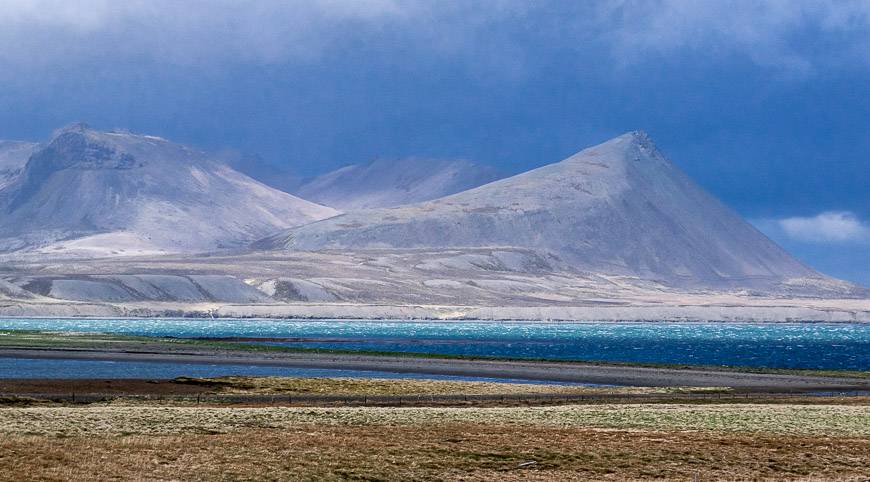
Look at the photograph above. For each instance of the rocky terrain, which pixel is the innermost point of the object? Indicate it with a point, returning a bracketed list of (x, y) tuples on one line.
[(392, 284)]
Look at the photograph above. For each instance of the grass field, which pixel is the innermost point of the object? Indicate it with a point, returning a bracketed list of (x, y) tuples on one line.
[(378, 386), (115, 420), (539, 443)]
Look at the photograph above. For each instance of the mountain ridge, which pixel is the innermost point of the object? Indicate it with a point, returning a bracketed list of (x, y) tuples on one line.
[(619, 207), (86, 190), (13, 157), (389, 183)]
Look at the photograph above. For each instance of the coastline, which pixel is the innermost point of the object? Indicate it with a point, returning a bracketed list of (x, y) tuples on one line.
[(766, 311), (547, 371)]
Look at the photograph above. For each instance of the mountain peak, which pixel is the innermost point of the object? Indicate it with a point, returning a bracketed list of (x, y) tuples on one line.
[(643, 141), (635, 146), (109, 190), (618, 208), (78, 146), (75, 127), (638, 136), (635, 140)]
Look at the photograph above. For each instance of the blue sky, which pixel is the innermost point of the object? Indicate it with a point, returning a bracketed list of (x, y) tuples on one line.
[(766, 104)]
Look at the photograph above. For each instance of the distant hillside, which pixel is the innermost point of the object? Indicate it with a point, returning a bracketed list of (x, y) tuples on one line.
[(13, 157), (257, 168), (619, 208), (386, 183), (99, 193)]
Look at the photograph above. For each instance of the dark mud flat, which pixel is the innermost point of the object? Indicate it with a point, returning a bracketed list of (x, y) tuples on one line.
[(518, 370), (103, 386)]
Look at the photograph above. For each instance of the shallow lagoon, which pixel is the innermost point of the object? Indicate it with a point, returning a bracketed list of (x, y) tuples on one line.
[(835, 346)]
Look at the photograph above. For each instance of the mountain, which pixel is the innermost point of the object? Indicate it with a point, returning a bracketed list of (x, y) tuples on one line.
[(13, 157), (95, 193), (386, 183), (619, 208), (257, 168)]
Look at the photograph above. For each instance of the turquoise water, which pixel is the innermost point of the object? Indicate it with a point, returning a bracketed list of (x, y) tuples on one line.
[(776, 345)]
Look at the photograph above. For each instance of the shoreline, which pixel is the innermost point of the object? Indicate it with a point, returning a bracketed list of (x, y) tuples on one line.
[(194, 316), (446, 314), (519, 370)]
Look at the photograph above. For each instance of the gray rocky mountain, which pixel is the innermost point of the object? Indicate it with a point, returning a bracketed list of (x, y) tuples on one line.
[(258, 168), (615, 232), (387, 183), (618, 208), (92, 193), (13, 157)]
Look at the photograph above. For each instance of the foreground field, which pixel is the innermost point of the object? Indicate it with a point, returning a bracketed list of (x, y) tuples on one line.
[(456, 451), (675, 441), (120, 420), (682, 423)]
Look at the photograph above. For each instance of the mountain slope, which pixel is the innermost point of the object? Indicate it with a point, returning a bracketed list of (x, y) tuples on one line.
[(617, 208), (385, 183), (13, 157), (257, 168), (93, 192)]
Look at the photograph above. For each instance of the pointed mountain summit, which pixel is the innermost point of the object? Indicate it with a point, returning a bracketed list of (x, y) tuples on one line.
[(618, 208), (388, 183), (98, 193)]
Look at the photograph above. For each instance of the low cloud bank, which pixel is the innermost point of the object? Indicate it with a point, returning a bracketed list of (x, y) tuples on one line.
[(830, 226)]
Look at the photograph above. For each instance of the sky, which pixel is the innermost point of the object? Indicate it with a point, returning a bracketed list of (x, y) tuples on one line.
[(765, 103)]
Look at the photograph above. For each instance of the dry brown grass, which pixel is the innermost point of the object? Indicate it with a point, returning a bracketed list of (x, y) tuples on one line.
[(281, 386), (377, 386), (115, 420), (605, 441), (446, 452)]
